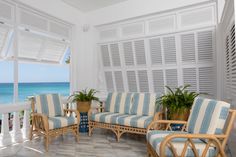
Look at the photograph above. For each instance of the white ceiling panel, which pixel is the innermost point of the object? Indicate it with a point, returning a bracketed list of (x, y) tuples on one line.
[(90, 5)]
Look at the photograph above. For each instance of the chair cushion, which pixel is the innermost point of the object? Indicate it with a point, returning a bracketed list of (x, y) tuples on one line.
[(105, 117), (59, 122), (118, 103), (156, 137), (208, 116), (144, 104), (49, 104), (134, 120)]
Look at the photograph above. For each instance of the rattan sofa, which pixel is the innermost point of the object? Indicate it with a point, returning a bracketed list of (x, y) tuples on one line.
[(126, 113), (204, 134)]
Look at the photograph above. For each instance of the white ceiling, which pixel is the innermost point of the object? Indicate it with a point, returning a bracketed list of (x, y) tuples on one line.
[(90, 5)]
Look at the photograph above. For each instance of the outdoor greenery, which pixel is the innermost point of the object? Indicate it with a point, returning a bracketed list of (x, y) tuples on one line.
[(84, 96)]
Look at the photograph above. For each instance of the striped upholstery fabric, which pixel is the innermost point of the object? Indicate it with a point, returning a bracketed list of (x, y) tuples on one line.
[(49, 104), (208, 116), (59, 122), (156, 137), (118, 103), (143, 104), (134, 121), (105, 117)]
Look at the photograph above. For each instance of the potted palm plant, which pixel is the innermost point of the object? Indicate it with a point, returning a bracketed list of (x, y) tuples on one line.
[(178, 103), (83, 99)]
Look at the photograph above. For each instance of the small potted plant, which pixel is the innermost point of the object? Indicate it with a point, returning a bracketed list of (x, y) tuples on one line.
[(83, 99), (178, 103)]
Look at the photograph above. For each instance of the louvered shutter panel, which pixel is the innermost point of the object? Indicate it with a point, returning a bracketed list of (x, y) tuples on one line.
[(114, 48), (140, 52), (205, 45), (158, 81), (109, 81), (105, 56), (4, 33), (132, 29), (172, 78), (119, 81), (128, 53), (233, 60), (169, 50), (155, 50), (188, 47), (190, 78), (132, 82), (6, 11), (143, 81), (59, 29), (206, 80), (228, 66)]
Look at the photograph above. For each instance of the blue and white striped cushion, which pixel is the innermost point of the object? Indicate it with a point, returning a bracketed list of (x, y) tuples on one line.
[(143, 104), (59, 122), (208, 116), (156, 137), (49, 104), (105, 117), (118, 102), (134, 120)]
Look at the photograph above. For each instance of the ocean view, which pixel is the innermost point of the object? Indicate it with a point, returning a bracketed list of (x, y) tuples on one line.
[(29, 89)]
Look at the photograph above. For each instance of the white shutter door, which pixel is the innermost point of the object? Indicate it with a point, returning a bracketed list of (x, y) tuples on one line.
[(140, 52), (155, 51), (188, 47), (105, 56), (206, 80), (169, 49), (233, 60), (143, 81), (114, 48), (4, 33), (109, 81), (128, 53), (228, 66), (205, 45), (172, 78), (158, 81), (119, 81), (132, 82), (190, 78)]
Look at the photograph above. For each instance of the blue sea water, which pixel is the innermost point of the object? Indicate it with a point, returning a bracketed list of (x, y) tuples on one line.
[(30, 89)]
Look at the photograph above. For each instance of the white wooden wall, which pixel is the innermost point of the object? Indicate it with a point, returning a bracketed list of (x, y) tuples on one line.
[(172, 48)]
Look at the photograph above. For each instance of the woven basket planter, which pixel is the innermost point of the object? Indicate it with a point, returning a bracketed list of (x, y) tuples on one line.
[(83, 106)]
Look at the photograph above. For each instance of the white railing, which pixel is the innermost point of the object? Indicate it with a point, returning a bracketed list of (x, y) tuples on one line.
[(17, 134)]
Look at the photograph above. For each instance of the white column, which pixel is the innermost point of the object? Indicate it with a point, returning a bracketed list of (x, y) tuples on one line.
[(16, 128), (26, 124), (6, 137)]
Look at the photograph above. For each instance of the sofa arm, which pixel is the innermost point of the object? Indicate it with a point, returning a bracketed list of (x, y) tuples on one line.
[(40, 121), (211, 141), (70, 111)]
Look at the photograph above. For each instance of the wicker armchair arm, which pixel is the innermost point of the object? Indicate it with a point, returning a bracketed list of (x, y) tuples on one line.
[(40, 121), (73, 111), (158, 116), (165, 124), (211, 141)]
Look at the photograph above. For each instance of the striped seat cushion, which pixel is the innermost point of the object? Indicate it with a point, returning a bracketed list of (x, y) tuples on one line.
[(49, 104), (156, 137), (59, 122), (144, 104), (118, 103), (134, 120), (208, 116), (105, 117)]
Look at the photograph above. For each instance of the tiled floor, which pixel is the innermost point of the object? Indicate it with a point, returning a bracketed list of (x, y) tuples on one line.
[(101, 144)]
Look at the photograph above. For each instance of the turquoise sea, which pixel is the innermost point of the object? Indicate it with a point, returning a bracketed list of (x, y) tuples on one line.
[(29, 89)]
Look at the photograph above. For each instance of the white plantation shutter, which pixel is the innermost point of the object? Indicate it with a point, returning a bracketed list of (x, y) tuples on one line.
[(205, 45), (172, 78), (6, 11), (140, 52), (169, 49), (119, 81), (155, 51), (128, 53), (132, 82), (228, 65), (59, 29), (143, 81), (206, 80), (190, 78), (105, 55), (132, 29), (158, 81), (109, 81), (4, 37), (114, 48), (188, 47)]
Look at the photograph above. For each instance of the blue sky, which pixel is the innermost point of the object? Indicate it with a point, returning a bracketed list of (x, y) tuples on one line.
[(29, 72)]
